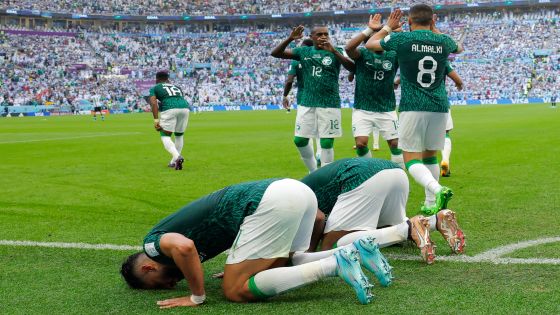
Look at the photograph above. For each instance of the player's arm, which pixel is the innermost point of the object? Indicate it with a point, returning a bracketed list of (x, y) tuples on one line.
[(457, 79), (280, 51), (185, 256), (459, 44), (374, 25), (152, 100), (396, 83), (346, 62), (393, 23), (287, 88)]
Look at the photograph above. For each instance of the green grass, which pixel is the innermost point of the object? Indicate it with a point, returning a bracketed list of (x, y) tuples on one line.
[(107, 182)]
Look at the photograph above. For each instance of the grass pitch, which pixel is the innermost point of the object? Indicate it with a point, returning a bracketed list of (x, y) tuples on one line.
[(70, 179)]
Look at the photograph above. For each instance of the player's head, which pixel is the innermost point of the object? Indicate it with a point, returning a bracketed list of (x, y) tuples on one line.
[(420, 15), (140, 272), (319, 34), (308, 42), (162, 76)]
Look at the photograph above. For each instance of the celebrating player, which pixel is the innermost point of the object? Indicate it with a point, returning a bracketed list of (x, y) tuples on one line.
[(422, 54), (173, 118), (295, 71), (319, 112), (374, 101), (262, 223), (366, 194)]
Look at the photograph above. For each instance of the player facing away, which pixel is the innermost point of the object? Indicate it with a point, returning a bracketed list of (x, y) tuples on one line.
[(97, 107), (553, 101), (262, 223), (361, 196), (446, 152), (422, 54), (173, 116), (374, 100), (318, 116)]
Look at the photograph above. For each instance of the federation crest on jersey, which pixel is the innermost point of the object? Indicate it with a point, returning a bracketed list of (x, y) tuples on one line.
[(387, 65), (327, 61)]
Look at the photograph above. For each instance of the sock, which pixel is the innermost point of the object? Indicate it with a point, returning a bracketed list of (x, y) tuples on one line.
[(433, 166), (308, 157), (170, 147), (318, 145), (397, 156), (179, 140), (384, 237), (423, 176), (446, 152), (327, 156), (279, 280), (375, 139), (433, 222), (363, 151), (300, 258)]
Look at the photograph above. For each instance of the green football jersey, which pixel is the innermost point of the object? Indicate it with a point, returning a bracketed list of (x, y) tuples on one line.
[(448, 68), (211, 222), (422, 57), (342, 176), (320, 70), (296, 70), (169, 95), (375, 76)]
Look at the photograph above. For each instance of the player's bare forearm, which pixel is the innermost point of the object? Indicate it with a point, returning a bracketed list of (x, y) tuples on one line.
[(374, 42), (456, 79), (153, 104), (346, 62), (185, 256), (288, 85), (280, 51), (351, 47)]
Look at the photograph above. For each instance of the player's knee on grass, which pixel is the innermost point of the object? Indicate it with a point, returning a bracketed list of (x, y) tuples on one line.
[(301, 142), (327, 143), (238, 292)]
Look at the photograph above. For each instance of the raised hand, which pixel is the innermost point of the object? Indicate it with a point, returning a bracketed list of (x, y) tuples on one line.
[(375, 22), (394, 21), (326, 45), (297, 32)]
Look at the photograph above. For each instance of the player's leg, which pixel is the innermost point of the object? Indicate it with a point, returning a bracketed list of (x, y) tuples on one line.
[(182, 118), (387, 124), (375, 141), (94, 114), (328, 127), (168, 123), (362, 126), (282, 224), (318, 152), (446, 152), (102, 115), (306, 126), (446, 223)]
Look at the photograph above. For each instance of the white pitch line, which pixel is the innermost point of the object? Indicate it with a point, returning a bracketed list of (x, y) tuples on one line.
[(490, 256), (71, 138)]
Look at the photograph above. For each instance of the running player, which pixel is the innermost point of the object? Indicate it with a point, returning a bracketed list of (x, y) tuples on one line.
[(446, 152), (374, 101), (319, 112), (367, 194), (173, 118), (263, 223), (422, 54)]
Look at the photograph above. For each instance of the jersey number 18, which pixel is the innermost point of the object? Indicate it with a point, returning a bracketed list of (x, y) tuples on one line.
[(173, 90)]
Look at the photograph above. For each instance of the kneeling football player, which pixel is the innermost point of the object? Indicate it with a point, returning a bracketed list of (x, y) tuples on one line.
[(262, 223), (361, 195)]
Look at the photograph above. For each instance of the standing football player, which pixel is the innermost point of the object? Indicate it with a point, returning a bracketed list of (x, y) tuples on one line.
[(173, 118), (446, 152), (422, 54), (319, 112), (374, 100)]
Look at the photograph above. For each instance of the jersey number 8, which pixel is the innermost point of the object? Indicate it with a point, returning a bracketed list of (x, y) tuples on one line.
[(422, 71)]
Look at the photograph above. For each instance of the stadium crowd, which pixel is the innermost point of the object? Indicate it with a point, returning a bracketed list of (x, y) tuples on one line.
[(206, 7), (234, 68)]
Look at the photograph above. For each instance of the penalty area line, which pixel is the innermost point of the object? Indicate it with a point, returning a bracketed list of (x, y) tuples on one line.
[(68, 245), (71, 138)]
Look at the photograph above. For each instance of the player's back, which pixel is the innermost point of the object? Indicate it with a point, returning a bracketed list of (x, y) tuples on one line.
[(422, 57), (170, 96)]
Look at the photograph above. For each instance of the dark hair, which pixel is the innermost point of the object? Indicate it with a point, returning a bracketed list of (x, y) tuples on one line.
[(162, 76), (421, 14), (127, 272), (307, 42)]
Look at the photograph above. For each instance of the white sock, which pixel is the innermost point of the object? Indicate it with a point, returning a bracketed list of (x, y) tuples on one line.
[(399, 160), (318, 145), (300, 258), (275, 281), (431, 197), (384, 237), (433, 222), (446, 152), (375, 139), (327, 156), (424, 177), (308, 157), (179, 143), (170, 147)]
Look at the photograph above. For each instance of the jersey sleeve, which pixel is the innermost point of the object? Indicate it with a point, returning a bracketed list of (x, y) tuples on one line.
[(296, 52), (448, 68), (391, 42), (152, 91), (451, 44), (293, 67), (152, 249)]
